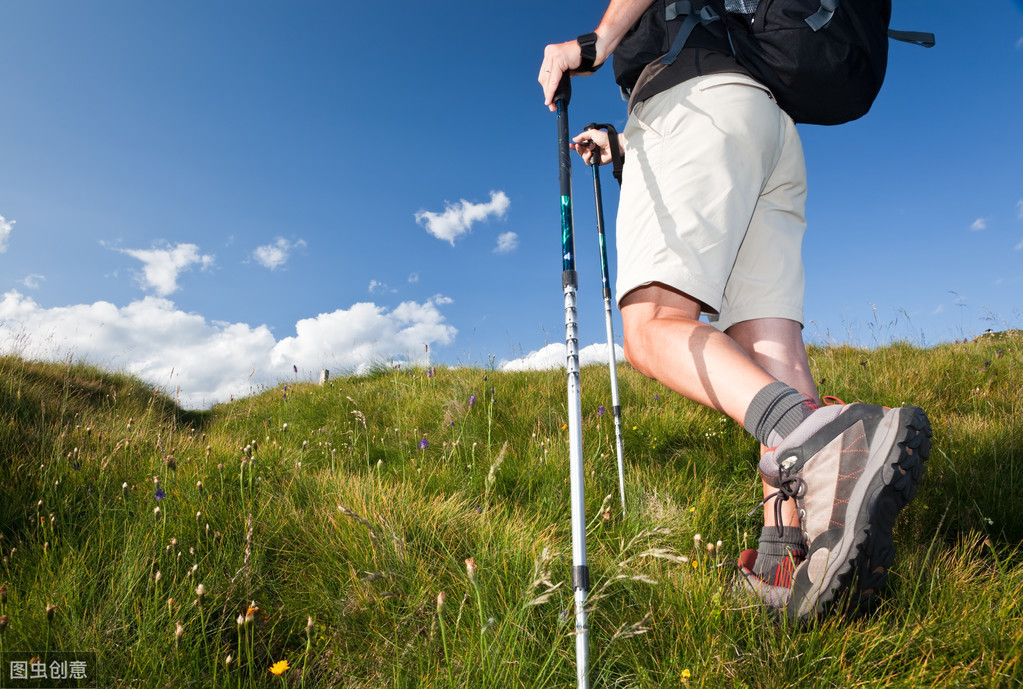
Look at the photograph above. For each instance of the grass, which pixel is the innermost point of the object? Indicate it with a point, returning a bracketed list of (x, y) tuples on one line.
[(330, 527)]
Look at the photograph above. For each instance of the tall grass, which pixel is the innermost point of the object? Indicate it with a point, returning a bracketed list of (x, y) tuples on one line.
[(410, 528)]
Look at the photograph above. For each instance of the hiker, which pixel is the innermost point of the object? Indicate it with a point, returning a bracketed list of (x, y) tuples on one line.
[(711, 221)]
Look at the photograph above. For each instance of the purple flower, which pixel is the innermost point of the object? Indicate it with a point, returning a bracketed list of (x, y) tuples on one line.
[(295, 366), (600, 410), (160, 495), (472, 401), (657, 398), (424, 443)]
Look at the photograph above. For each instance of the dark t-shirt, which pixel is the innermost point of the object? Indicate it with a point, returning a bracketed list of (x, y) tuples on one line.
[(691, 62)]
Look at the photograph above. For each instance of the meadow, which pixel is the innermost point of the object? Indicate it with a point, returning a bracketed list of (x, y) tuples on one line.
[(411, 528)]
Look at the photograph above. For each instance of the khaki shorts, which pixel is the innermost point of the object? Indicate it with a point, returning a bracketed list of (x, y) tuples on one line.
[(713, 200)]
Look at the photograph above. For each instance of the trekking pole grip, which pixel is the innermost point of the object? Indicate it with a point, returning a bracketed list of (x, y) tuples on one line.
[(564, 90)]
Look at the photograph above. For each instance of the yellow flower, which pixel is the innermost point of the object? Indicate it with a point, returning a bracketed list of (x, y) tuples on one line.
[(686, 674), (279, 667)]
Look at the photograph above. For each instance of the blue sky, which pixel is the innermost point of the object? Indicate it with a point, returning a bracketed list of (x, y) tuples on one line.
[(211, 194)]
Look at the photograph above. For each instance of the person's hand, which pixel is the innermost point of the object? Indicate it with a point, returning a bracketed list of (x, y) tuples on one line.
[(590, 142), (559, 59)]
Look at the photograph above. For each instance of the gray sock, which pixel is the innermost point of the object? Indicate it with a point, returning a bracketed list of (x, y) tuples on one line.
[(775, 412), (778, 553)]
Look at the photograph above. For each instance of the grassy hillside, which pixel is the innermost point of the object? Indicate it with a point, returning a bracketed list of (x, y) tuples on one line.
[(323, 523)]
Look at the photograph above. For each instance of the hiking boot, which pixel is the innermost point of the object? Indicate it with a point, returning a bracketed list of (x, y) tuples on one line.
[(772, 595), (851, 469)]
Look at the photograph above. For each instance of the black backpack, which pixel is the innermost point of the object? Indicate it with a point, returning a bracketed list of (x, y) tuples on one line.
[(824, 60)]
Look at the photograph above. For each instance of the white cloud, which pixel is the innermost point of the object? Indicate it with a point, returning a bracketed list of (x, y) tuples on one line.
[(979, 224), (413, 278), (458, 219), (33, 280), (1019, 44), (507, 242), (555, 356), (161, 267), (5, 232), (211, 361), (275, 255), (1019, 246), (375, 287), (1019, 209)]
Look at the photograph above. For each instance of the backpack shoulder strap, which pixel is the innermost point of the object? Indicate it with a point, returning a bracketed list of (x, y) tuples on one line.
[(915, 37), (684, 8)]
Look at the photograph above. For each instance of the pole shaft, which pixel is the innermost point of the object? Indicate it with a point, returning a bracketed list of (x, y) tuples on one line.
[(580, 571)]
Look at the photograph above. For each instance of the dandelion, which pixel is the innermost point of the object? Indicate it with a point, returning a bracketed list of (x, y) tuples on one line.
[(279, 667)]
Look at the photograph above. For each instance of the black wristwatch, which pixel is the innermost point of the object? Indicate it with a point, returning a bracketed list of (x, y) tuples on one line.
[(588, 44)]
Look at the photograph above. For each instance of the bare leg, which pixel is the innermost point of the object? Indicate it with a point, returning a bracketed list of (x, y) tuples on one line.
[(776, 345), (666, 341)]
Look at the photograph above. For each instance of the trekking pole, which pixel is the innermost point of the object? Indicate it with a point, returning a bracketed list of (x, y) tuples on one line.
[(569, 283), (612, 363)]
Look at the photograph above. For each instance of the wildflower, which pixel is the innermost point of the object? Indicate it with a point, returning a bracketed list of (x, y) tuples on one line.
[(179, 630), (697, 540), (470, 569), (200, 592), (156, 511), (600, 410), (240, 620), (442, 598), (309, 625), (228, 660), (279, 667), (686, 674), (472, 401), (295, 368), (250, 613), (424, 443), (657, 398), (4, 621), (160, 495), (50, 610), (157, 576)]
